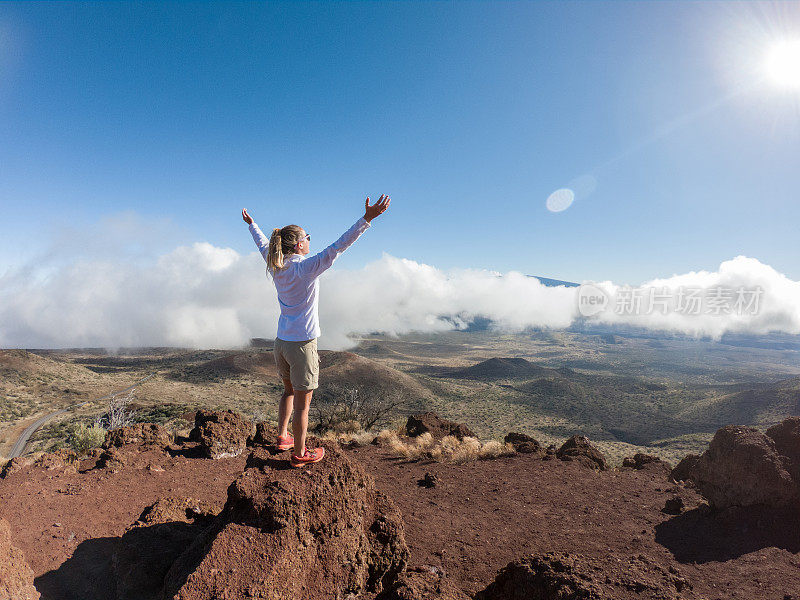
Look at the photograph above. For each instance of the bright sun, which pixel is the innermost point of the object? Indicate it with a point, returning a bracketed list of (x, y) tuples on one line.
[(783, 63)]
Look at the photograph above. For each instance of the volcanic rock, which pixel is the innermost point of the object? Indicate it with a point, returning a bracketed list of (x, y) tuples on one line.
[(432, 423), (641, 461), (140, 433), (150, 546), (222, 434), (742, 467), (786, 436), (683, 469), (580, 449), (524, 444), (265, 435), (322, 531), (16, 464), (16, 577), (423, 583)]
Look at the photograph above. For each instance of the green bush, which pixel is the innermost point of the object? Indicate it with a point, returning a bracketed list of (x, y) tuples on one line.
[(83, 438)]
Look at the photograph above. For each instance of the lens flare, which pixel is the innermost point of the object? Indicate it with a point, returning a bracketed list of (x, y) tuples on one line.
[(560, 200), (783, 63)]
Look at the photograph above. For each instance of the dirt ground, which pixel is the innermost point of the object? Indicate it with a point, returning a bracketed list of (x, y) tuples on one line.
[(477, 518)]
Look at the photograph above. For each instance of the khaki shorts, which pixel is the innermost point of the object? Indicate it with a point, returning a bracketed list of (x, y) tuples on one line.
[(298, 362)]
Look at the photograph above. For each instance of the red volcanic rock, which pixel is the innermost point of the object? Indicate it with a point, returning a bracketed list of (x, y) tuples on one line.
[(641, 461), (222, 434), (16, 577), (140, 433), (565, 576), (322, 531), (64, 460), (16, 464), (579, 448), (423, 583), (786, 436), (683, 469), (524, 444), (150, 546), (742, 467), (265, 435), (432, 423), (553, 575)]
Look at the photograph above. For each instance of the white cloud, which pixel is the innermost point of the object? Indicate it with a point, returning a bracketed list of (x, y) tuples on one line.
[(209, 297)]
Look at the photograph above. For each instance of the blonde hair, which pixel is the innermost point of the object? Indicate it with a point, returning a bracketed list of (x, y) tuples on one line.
[(281, 244)]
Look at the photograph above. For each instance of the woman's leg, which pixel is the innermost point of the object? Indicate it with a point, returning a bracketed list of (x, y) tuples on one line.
[(302, 402), (285, 408)]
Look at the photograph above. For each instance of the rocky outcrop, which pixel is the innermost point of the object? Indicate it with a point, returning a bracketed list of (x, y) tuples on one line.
[(143, 434), (742, 467), (15, 464), (580, 449), (553, 575), (423, 583), (683, 470), (786, 436), (16, 577), (641, 461), (150, 546), (63, 459), (524, 444), (438, 427), (265, 435), (322, 531), (222, 434), (565, 576)]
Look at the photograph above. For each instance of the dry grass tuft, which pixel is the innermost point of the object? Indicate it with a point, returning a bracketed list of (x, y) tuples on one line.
[(350, 438), (450, 448)]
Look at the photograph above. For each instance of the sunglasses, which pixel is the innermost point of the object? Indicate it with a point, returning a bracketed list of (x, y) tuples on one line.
[(305, 237)]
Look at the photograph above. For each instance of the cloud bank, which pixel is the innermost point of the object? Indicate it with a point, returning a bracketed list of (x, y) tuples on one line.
[(203, 296)]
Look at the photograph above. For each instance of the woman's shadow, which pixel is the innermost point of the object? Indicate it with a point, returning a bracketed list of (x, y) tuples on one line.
[(702, 535)]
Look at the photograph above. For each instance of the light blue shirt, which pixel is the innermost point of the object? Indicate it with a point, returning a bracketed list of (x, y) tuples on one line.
[(298, 283)]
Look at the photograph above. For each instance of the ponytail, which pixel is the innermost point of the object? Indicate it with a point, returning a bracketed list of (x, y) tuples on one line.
[(281, 245)]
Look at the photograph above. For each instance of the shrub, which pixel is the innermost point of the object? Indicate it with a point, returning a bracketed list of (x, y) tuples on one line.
[(356, 408), (83, 438)]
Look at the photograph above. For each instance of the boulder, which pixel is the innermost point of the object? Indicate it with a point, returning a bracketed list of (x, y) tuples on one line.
[(114, 459), (552, 575), (683, 470), (565, 576), (423, 583), (16, 464), (432, 423), (222, 434), (322, 531), (579, 448), (524, 444), (149, 547), (16, 577), (786, 436), (673, 506), (640, 461), (141, 434), (742, 467), (63, 460), (265, 435)]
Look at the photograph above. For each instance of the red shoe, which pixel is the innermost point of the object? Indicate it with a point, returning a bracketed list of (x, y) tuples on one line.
[(310, 456), (285, 442)]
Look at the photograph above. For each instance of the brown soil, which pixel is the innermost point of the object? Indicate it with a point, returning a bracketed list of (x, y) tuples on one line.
[(475, 520)]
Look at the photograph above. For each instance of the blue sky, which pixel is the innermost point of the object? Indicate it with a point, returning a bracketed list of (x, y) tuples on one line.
[(469, 115)]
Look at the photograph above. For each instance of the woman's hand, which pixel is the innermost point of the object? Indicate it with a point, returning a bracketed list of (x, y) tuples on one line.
[(246, 217), (370, 212)]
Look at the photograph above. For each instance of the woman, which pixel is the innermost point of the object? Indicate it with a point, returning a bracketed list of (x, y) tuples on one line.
[(296, 278)]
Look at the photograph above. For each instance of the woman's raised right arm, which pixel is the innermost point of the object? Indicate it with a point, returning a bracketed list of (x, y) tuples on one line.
[(258, 237)]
